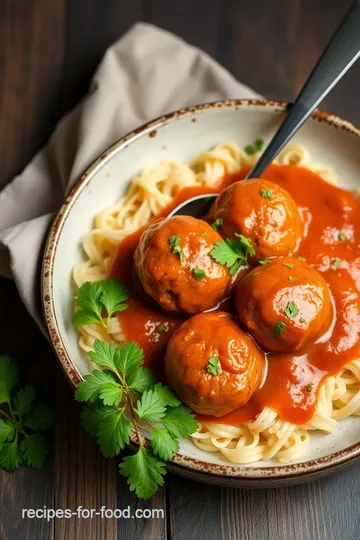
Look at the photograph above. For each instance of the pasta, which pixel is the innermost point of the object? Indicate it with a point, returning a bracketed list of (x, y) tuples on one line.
[(268, 436)]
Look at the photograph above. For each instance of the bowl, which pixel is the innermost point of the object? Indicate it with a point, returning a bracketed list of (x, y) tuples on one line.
[(182, 135)]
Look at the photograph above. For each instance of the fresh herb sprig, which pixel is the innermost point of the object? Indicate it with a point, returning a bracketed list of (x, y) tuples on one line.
[(99, 301), (233, 252), (22, 421), (122, 398)]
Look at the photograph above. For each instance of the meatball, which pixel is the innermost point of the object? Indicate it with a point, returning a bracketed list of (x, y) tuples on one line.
[(285, 304), (262, 211), (175, 267), (212, 364)]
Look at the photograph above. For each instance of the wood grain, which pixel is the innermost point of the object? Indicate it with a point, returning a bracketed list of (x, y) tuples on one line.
[(48, 53)]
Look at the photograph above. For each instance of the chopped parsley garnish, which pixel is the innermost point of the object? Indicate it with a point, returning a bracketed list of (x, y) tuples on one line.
[(233, 252), (174, 241), (291, 310), (302, 320), (266, 193), (214, 366), (121, 399), (290, 253), (163, 329), (291, 278), (341, 236), (250, 150), (278, 330), (302, 259), (264, 261), (204, 233), (310, 387), (336, 261), (199, 273), (288, 265), (93, 297), (259, 144), (217, 223)]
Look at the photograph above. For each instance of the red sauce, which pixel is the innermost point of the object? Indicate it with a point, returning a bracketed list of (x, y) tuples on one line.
[(292, 382)]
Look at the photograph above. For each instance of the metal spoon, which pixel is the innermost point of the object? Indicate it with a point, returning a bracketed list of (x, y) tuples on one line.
[(340, 54)]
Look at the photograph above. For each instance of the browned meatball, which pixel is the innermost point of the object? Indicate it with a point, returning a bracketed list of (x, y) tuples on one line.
[(262, 211), (212, 364), (175, 267), (285, 304)]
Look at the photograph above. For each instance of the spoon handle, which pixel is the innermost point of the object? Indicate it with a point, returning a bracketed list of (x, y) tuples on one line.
[(340, 54)]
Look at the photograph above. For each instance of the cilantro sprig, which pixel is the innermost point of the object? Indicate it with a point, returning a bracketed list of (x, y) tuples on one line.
[(95, 298), (174, 242), (233, 252), (123, 398), (22, 420)]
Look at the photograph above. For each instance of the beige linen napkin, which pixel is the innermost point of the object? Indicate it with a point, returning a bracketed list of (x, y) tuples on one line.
[(147, 73)]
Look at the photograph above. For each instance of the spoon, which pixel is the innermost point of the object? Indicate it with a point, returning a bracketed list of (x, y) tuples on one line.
[(339, 55)]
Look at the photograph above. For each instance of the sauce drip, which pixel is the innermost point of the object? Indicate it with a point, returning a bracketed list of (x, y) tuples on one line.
[(331, 244)]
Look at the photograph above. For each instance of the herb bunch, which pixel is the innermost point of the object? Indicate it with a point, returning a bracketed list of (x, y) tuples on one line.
[(123, 398), (22, 421)]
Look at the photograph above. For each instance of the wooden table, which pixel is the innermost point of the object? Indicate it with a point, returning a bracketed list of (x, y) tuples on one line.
[(48, 52)]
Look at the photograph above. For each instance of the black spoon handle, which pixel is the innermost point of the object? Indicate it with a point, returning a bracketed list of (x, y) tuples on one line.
[(340, 54)]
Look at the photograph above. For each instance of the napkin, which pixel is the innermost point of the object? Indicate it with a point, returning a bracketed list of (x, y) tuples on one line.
[(147, 73)]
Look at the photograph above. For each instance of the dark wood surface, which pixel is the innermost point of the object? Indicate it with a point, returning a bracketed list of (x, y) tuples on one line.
[(48, 52)]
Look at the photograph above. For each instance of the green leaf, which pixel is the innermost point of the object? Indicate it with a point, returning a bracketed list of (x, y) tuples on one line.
[(140, 380), (266, 193), (199, 274), (336, 261), (113, 431), (264, 261), (278, 330), (233, 251), (288, 265), (163, 444), (7, 432), (180, 421), (10, 457), (113, 296), (246, 244), (341, 236), (224, 254), (9, 377), (291, 310), (174, 240), (104, 354), (35, 450), (150, 406), (23, 401), (92, 416), (129, 357), (217, 223), (144, 473), (259, 144), (167, 396), (100, 384), (214, 366), (88, 298), (302, 259), (250, 150), (40, 417), (82, 317)]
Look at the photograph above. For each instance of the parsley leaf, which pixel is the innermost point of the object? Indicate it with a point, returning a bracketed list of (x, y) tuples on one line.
[(179, 421), (214, 366), (291, 278), (174, 241), (204, 233), (341, 236), (140, 380), (10, 456), (232, 251), (7, 432), (264, 261), (113, 431), (40, 417), (144, 473), (93, 297), (278, 330), (35, 449), (259, 144), (9, 377), (302, 259), (291, 310), (336, 261), (151, 406), (288, 265), (163, 444), (217, 223), (104, 355), (266, 193), (250, 150), (129, 357), (199, 274), (166, 395), (23, 400), (99, 385)]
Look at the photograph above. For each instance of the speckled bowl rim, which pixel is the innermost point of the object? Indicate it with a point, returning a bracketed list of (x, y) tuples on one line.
[(184, 465)]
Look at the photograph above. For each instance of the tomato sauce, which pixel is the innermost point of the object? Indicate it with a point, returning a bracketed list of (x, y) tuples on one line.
[(331, 244)]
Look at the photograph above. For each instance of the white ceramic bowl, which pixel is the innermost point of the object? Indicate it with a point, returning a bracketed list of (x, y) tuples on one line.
[(183, 135)]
